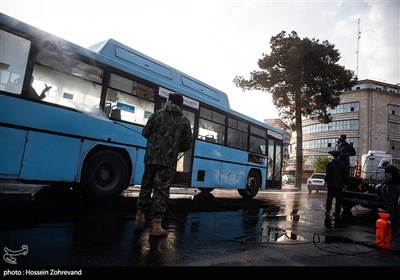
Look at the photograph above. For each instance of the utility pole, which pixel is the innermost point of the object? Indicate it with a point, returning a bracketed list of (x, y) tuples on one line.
[(358, 46)]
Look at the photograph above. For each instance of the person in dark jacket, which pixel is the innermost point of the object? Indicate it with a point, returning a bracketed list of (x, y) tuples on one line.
[(168, 132), (346, 150), (336, 178), (392, 181)]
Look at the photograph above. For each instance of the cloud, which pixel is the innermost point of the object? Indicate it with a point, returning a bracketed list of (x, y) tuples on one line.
[(380, 42)]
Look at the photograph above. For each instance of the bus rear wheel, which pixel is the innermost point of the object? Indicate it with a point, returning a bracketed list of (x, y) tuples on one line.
[(105, 175), (252, 186)]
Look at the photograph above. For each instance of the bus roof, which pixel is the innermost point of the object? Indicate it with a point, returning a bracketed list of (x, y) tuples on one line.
[(126, 59), (135, 59)]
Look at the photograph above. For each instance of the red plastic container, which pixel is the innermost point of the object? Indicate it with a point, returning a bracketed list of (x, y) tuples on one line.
[(383, 231)]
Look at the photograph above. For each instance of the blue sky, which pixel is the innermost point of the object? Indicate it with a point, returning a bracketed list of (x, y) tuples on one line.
[(216, 40)]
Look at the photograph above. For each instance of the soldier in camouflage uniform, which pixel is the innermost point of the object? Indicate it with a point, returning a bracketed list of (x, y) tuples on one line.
[(168, 133)]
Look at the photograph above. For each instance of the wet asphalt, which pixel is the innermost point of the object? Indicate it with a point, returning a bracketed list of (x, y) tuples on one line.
[(281, 229)]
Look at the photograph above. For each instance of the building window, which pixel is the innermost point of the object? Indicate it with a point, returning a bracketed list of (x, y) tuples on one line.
[(345, 108), (394, 146), (395, 110), (394, 127), (332, 126), (327, 143)]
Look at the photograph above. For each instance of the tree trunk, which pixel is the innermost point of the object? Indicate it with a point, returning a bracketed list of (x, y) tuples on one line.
[(299, 147)]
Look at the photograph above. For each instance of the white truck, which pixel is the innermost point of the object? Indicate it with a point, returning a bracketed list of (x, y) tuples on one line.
[(363, 182)]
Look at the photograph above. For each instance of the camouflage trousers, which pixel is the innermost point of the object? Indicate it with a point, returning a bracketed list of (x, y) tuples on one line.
[(154, 191)]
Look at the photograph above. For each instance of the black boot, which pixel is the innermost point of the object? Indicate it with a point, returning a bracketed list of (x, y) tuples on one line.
[(157, 229), (338, 221), (140, 218), (328, 222)]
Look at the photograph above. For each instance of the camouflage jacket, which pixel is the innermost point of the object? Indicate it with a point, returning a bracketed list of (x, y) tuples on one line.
[(168, 133)]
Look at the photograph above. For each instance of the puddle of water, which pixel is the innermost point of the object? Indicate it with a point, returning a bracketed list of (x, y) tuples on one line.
[(277, 234)]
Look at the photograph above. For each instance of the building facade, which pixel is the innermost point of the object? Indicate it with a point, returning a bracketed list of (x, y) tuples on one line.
[(368, 113)]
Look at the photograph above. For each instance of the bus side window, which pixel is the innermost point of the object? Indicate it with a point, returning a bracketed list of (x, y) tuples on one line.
[(115, 114), (107, 108), (13, 61), (210, 138)]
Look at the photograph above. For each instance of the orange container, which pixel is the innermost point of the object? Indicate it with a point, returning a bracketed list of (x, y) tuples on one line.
[(383, 231)]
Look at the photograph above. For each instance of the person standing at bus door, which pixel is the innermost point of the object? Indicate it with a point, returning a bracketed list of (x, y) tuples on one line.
[(32, 94), (336, 178), (346, 150), (392, 181), (168, 133)]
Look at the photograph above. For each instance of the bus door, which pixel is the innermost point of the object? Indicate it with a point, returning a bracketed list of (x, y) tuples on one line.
[(274, 164), (183, 172), (184, 164)]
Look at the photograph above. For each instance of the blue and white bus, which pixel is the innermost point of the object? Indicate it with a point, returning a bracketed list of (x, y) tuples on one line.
[(86, 129)]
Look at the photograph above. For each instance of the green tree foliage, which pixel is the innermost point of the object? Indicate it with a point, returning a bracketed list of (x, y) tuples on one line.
[(320, 163), (304, 79)]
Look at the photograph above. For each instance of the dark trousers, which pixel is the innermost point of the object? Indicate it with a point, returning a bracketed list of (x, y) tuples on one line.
[(334, 193), (393, 203), (157, 181)]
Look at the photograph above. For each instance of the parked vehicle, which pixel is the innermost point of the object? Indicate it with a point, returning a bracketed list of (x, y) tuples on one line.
[(316, 182), (288, 179), (364, 187), (363, 192)]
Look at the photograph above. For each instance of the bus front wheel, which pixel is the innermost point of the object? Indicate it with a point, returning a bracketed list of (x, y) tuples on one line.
[(105, 175), (252, 186)]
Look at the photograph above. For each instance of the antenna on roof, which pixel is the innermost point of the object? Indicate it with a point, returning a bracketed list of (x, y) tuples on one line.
[(358, 46)]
